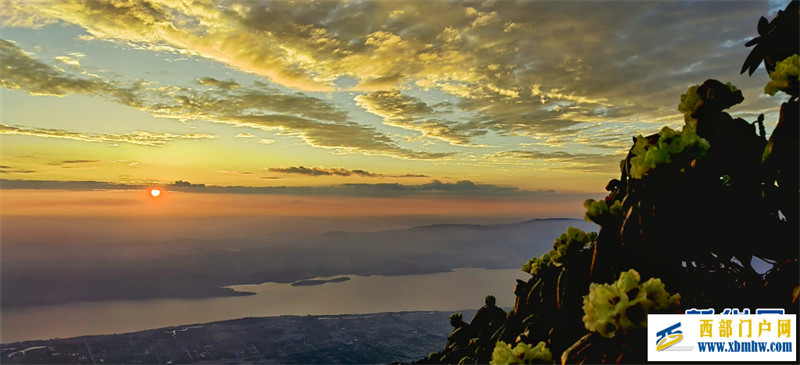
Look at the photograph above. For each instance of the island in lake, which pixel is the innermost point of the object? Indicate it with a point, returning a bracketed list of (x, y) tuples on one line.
[(311, 282)]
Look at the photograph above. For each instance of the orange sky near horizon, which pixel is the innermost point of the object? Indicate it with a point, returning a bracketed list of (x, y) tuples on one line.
[(139, 203)]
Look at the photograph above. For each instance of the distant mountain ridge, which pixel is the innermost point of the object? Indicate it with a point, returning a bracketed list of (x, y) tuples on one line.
[(203, 268), (496, 226)]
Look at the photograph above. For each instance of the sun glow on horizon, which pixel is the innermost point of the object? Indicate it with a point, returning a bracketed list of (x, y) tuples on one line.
[(155, 192)]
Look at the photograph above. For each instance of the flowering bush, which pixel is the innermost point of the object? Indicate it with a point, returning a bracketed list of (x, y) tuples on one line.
[(623, 305), (573, 238), (456, 319), (599, 211), (521, 354), (670, 147), (785, 71), (691, 101)]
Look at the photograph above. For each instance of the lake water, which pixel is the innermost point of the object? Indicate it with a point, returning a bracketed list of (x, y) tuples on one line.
[(460, 289)]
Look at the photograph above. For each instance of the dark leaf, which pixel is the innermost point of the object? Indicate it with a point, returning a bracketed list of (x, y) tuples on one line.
[(763, 26), (753, 59), (752, 41)]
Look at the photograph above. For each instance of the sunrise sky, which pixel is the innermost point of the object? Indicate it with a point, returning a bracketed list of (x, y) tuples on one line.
[(403, 107)]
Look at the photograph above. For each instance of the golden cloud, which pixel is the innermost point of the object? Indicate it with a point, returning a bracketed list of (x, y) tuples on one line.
[(137, 138), (544, 70), (411, 113), (317, 122)]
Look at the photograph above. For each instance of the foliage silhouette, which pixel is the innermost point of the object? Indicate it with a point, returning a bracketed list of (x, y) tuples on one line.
[(689, 212)]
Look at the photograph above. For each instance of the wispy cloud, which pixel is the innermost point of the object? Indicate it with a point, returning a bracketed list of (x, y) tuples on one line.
[(229, 172), (73, 59), (332, 171), (22, 71), (76, 164), (260, 106), (574, 161), (435, 188), (6, 169), (212, 82), (137, 138), (411, 113), (322, 171), (64, 185)]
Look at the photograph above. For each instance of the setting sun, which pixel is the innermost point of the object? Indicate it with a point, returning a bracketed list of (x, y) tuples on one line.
[(154, 192)]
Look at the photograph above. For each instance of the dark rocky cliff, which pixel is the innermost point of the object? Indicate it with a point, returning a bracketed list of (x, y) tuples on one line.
[(679, 229)]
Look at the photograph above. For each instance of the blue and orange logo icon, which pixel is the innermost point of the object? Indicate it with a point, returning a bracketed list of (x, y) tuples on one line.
[(668, 337)]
